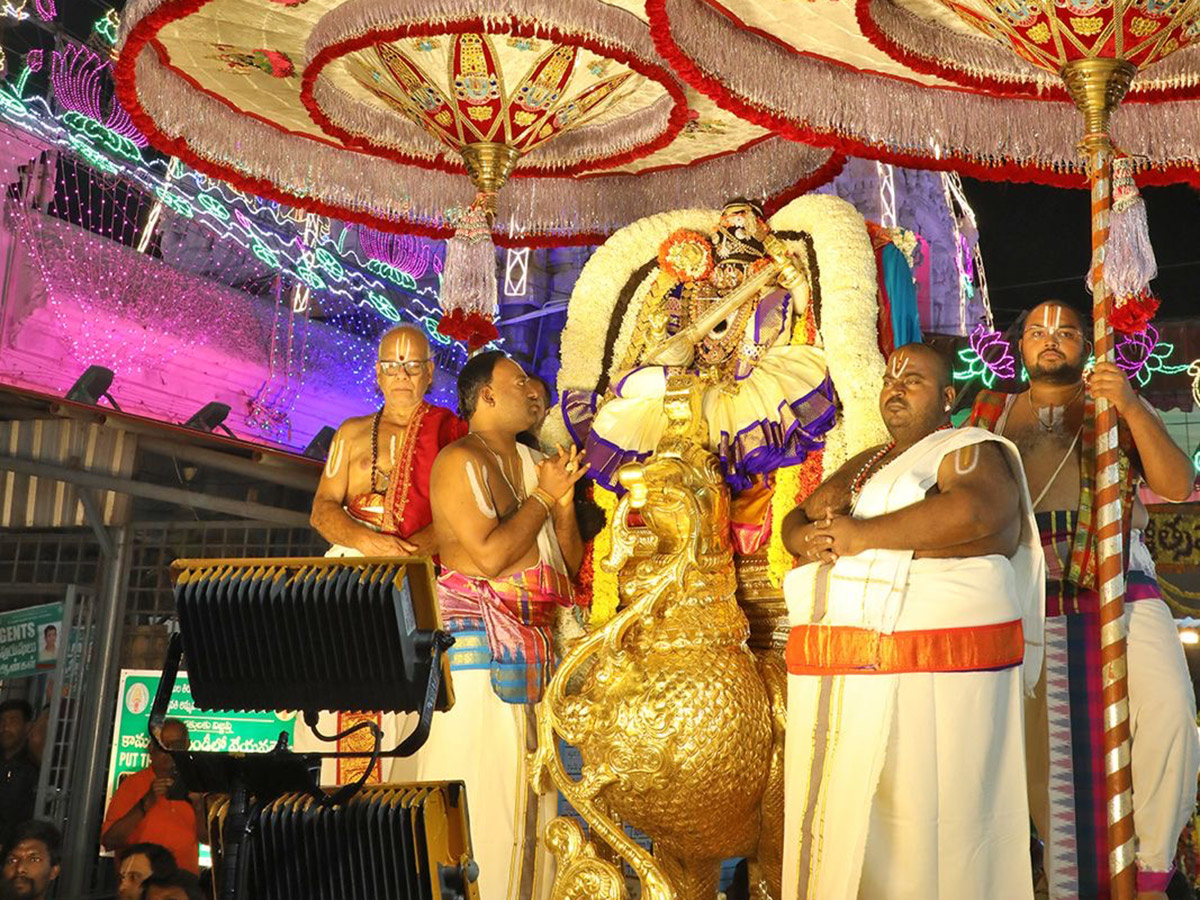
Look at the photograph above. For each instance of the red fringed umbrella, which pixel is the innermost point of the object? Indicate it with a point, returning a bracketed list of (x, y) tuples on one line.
[(382, 113)]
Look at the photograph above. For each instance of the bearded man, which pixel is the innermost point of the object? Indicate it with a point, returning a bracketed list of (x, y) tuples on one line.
[(373, 497), (1053, 424), (914, 617)]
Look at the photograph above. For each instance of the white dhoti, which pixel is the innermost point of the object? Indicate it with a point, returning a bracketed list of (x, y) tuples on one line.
[(502, 658), (485, 743), (905, 763), (503, 646)]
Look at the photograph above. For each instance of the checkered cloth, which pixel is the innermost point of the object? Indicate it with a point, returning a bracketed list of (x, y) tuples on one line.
[(505, 625), (990, 406)]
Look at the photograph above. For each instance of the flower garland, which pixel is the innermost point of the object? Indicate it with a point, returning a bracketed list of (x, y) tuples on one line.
[(791, 481), (595, 296), (686, 255), (584, 578), (850, 310), (793, 484), (605, 596), (848, 291), (849, 317)]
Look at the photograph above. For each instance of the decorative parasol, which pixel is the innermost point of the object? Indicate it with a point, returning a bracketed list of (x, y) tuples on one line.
[(981, 87), (384, 114), (911, 83)]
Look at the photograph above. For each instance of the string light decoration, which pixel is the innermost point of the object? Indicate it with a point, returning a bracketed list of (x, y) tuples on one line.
[(516, 272), (78, 75), (988, 356), (107, 26), (972, 280), (1142, 355), (266, 229), (887, 194), (11, 10), (197, 231), (402, 252), (113, 304)]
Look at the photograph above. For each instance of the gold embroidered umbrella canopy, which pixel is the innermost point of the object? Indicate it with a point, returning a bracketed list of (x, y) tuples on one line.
[(385, 114), (982, 86)]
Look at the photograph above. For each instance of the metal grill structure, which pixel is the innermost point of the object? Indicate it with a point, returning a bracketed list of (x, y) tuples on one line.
[(132, 576), (149, 599)]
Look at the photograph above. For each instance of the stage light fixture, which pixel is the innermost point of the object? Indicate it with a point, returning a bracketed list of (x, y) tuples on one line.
[(318, 447), (210, 418), (92, 385)]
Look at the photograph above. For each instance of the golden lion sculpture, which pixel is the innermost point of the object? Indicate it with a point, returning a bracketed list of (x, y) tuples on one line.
[(672, 718)]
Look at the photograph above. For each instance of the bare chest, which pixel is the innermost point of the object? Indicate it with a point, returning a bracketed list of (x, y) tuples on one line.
[(1051, 461), (378, 455), (498, 489)]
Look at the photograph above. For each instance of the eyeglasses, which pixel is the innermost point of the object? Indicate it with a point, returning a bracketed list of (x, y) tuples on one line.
[(1067, 335), (412, 367)]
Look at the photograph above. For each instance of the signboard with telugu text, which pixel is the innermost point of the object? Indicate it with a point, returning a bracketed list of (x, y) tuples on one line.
[(221, 732)]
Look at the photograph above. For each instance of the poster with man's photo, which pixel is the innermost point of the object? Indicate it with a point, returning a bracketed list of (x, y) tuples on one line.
[(29, 640)]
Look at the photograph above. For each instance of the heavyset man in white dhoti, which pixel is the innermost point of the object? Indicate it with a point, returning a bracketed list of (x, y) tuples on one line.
[(916, 623)]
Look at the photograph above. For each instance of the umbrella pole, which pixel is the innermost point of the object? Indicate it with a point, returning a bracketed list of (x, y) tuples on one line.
[(1097, 87)]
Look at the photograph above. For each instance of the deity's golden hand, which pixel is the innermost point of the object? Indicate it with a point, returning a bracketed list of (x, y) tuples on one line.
[(793, 273)]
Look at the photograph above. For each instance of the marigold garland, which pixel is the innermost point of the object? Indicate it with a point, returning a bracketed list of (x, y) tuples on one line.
[(792, 483), (848, 288), (605, 596), (686, 255)]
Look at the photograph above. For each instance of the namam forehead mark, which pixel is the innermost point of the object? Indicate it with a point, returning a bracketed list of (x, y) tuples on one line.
[(402, 344), (899, 364), (1053, 316)]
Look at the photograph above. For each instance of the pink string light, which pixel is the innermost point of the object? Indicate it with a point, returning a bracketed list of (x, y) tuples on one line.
[(400, 251), (994, 351), (45, 9), (78, 75), (1134, 351)]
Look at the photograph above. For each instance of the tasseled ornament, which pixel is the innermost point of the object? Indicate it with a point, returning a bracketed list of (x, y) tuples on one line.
[(469, 277), (1129, 263)]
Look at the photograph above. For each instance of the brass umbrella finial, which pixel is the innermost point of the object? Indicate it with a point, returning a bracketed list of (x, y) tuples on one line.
[(1097, 85), (489, 165)]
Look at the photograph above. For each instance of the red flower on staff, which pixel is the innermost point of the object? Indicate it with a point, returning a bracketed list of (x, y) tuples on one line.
[(474, 329), (1132, 315)]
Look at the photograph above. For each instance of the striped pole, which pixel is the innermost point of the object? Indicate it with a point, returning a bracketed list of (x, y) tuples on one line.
[(1097, 87), (1110, 567)]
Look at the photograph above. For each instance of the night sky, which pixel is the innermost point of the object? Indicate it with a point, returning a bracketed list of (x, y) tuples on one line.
[(1036, 243)]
